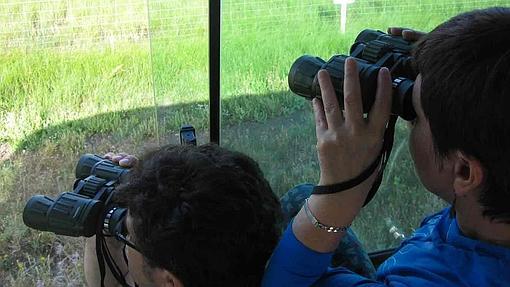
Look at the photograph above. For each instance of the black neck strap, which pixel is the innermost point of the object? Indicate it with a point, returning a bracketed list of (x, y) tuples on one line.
[(103, 255), (383, 156)]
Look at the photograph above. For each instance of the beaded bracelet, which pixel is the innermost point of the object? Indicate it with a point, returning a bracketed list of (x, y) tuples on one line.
[(317, 224)]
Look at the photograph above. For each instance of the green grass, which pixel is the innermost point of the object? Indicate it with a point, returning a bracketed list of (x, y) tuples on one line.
[(41, 89), (78, 78)]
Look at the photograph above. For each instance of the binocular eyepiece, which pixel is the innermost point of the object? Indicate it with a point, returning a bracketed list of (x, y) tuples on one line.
[(88, 208), (372, 50)]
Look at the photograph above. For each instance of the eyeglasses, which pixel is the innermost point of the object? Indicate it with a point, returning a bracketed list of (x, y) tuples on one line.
[(124, 240)]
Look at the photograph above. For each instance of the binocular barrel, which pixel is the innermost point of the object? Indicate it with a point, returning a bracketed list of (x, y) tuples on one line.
[(303, 81), (90, 164), (70, 214), (85, 210), (397, 43), (372, 50), (303, 78)]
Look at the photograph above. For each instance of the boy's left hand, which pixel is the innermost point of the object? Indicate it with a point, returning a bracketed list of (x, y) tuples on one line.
[(347, 143)]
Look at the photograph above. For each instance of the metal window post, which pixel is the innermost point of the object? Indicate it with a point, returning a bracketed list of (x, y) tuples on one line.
[(214, 70)]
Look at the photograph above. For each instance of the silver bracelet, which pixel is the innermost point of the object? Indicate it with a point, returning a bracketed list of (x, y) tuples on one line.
[(317, 224)]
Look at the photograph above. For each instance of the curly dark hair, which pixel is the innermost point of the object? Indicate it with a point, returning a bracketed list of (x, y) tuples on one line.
[(465, 68), (204, 213)]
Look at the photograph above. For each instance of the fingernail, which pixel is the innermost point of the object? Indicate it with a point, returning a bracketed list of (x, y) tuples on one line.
[(124, 161)]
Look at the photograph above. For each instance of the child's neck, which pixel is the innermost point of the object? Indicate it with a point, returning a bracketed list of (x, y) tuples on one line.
[(474, 225)]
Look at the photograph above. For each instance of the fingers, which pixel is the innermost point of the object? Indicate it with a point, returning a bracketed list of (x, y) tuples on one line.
[(328, 114), (406, 33), (380, 111), (122, 159), (395, 31), (109, 155), (128, 161), (412, 35), (353, 104), (116, 158), (330, 106), (320, 117)]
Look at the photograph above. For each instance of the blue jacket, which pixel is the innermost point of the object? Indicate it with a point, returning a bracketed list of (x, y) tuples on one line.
[(436, 255)]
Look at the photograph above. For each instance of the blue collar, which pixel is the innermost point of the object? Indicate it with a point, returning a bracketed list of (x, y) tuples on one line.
[(451, 234)]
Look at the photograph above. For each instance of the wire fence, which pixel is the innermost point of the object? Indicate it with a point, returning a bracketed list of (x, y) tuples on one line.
[(75, 24), (72, 23)]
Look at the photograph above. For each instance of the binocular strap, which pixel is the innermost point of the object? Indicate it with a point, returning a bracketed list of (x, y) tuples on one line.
[(380, 162)]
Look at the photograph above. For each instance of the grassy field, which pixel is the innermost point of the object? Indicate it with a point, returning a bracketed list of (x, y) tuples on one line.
[(82, 77)]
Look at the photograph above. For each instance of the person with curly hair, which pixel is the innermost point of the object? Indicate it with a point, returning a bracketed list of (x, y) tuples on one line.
[(197, 216)]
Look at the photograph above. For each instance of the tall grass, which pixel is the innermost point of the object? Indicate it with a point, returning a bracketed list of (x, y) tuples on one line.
[(77, 76), (42, 88)]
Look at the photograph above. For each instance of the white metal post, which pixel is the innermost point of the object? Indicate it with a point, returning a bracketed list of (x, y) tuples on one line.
[(343, 12), (343, 17)]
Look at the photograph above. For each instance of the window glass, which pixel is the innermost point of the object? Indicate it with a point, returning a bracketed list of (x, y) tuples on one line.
[(91, 76), (179, 45), (260, 116), (75, 78)]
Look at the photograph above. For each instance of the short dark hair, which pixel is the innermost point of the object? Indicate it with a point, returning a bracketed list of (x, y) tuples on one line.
[(465, 94), (204, 213)]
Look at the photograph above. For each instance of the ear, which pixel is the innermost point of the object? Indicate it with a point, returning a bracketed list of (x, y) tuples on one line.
[(469, 174), (164, 278)]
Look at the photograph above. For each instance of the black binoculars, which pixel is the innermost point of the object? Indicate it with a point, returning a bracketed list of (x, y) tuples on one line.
[(89, 209), (86, 210), (372, 50)]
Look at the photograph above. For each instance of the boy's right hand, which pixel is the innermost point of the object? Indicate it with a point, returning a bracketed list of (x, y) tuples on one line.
[(122, 159), (406, 33)]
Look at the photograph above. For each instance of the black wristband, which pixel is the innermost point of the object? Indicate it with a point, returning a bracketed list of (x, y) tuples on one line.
[(339, 187)]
